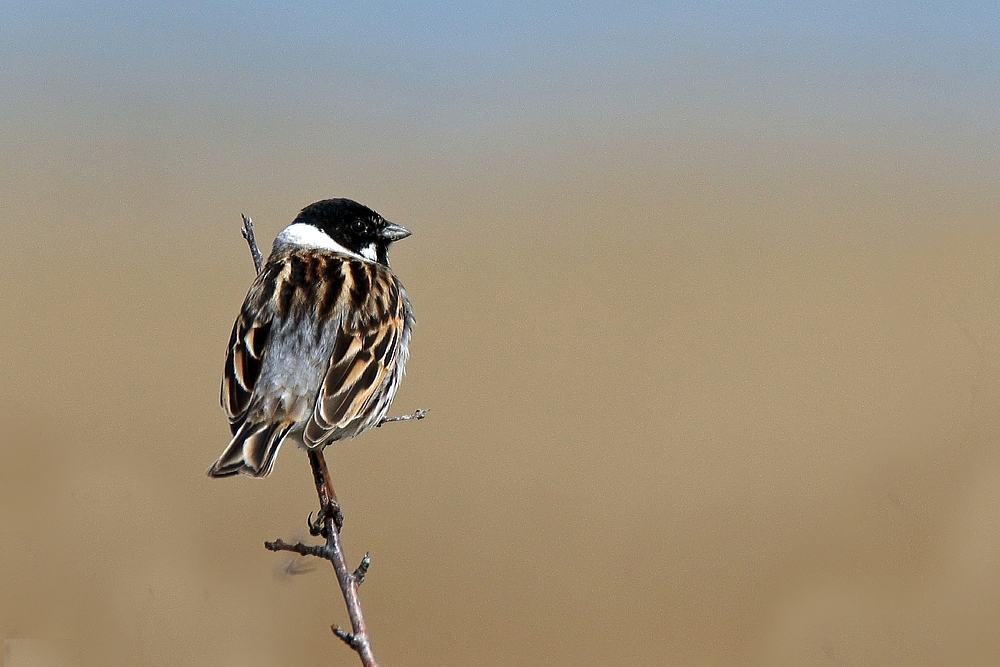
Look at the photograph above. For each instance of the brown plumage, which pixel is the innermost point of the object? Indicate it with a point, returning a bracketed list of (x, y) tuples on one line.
[(320, 344)]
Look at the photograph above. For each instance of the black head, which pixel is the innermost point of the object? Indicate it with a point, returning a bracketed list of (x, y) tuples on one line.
[(356, 227)]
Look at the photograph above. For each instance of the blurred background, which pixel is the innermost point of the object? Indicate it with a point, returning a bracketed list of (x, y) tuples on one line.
[(707, 305)]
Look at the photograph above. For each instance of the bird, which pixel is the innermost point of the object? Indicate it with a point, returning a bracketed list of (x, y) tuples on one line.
[(320, 345)]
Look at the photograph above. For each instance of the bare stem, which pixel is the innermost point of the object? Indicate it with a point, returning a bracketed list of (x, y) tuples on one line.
[(299, 548), (358, 639), (247, 231), (416, 414), (333, 551)]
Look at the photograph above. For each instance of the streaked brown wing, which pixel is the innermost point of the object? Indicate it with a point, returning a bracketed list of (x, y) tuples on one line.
[(247, 344), (365, 352)]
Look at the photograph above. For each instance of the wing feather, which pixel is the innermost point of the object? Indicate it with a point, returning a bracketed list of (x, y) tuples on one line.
[(245, 353), (364, 355), (359, 310)]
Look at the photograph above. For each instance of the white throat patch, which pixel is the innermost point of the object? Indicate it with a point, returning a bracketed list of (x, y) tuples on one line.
[(302, 235), (370, 253)]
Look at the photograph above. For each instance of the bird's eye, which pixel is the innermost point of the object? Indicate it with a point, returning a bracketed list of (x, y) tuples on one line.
[(357, 226)]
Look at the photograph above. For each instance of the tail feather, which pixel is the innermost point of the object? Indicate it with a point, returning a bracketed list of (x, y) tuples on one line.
[(251, 451)]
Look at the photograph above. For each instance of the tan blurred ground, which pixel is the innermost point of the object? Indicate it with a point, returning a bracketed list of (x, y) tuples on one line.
[(679, 415)]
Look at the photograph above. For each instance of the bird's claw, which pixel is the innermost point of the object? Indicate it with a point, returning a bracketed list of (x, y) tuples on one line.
[(331, 511), (316, 528)]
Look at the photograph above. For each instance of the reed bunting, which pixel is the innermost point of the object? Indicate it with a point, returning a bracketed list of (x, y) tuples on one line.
[(318, 350)]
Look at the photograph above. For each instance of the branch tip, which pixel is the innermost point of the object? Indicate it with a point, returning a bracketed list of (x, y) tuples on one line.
[(416, 415), (302, 549), (247, 231), (359, 574), (345, 636)]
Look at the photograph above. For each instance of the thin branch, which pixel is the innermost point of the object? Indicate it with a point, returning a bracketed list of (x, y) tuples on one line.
[(333, 551), (247, 231), (301, 549), (416, 415), (359, 639)]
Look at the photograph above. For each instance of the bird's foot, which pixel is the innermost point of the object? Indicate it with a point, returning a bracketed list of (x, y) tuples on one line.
[(331, 511)]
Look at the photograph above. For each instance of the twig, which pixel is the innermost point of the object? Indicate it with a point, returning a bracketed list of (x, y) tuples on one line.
[(247, 231), (333, 551), (298, 547), (362, 569), (349, 583), (416, 414), (328, 525)]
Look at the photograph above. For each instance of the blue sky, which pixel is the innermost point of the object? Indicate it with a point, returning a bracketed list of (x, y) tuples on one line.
[(452, 59), (515, 89)]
